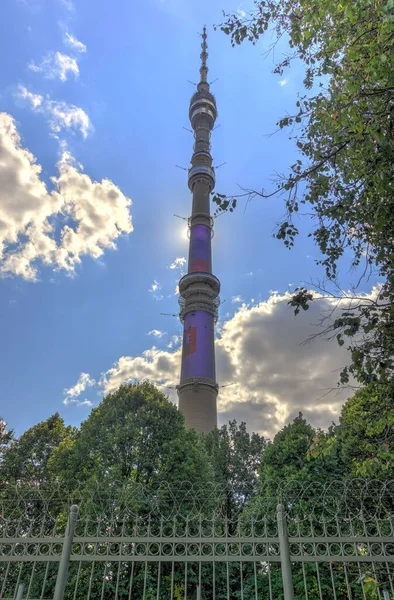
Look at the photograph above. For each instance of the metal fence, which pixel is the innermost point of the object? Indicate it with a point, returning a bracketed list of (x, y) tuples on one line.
[(130, 542)]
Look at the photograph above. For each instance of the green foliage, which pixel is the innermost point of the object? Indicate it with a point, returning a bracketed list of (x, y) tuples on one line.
[(179, 591), (371, 587), (362, 445), (6, 437), (135, 434), (235, 455), (345, 135), (366, 434), (288, 458), (26, 460)]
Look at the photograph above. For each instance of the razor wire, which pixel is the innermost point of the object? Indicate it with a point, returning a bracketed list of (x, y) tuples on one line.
[(191, 541)]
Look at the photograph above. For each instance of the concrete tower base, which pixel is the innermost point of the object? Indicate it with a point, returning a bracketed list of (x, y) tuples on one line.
[(197, 403)]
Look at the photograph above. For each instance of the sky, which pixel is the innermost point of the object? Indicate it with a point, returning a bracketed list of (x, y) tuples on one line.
[(93, 121)]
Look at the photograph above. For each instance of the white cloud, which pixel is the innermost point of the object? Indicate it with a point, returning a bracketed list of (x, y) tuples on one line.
[(155, 290), (60, 114), (71, 394), (178, 263), (260, 349), (158, 366), (236, 299), (35, 100), (282, 82), (79, 217), (155, 286), (175, 341), (75, 44), (56, 66), (68, 5), (157, 333), (76, 402), (83, 382)]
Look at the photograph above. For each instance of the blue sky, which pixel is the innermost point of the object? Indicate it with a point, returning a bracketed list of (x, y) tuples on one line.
[(108, 89)]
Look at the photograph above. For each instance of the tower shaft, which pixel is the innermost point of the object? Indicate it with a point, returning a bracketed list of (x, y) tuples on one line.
[(199, 289)]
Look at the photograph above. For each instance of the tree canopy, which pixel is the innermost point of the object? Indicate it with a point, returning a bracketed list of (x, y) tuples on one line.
[(135, 434), (136, 437), (362, 444), (6, 437), (343, 128), (26, 459)]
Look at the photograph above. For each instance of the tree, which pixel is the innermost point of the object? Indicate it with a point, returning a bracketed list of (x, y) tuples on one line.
[(366, 434), (132, 456), (344, 132), (235, 456), (6, 437), (287, 458), (135, 435), (26, 460), (301, 481), (363, 442), (292, 473)]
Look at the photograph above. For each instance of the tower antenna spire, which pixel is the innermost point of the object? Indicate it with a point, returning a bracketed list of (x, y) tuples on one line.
[(204, 57)]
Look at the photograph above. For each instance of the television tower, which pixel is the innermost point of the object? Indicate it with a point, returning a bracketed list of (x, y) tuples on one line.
[(199, 288)]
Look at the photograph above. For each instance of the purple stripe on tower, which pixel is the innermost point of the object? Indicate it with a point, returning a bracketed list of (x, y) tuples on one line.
[(198, 356), (200, 249)]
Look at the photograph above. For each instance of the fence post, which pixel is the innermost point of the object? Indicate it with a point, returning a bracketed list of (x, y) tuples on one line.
[(61, 579), (288, 588)]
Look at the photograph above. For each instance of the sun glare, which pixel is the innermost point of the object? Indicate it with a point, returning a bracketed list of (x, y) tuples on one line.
[(183, 233)]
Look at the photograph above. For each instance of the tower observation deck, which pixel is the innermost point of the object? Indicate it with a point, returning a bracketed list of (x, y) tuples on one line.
[(199, 288)]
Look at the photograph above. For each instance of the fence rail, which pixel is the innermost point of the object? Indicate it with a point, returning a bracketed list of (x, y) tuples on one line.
[(105, 550)]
